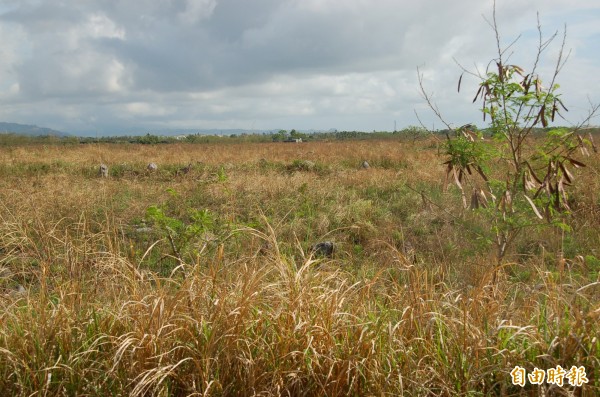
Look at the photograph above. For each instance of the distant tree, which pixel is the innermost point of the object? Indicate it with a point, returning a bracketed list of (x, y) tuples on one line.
[(280, 136), (298, 135), (149, 139), (414, 132)]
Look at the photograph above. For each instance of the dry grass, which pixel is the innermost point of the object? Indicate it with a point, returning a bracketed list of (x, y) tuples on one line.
[(93, 306)]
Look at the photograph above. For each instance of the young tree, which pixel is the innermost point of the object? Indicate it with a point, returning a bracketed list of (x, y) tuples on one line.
[(514, 180)]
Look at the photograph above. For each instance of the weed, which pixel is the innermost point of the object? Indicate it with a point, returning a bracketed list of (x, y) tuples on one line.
[(165, 285)]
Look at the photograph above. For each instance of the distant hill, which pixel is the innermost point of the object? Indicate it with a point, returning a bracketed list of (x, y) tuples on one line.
[(31, 130)]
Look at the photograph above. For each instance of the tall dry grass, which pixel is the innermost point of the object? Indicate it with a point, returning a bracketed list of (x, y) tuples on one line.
[(93, 306)]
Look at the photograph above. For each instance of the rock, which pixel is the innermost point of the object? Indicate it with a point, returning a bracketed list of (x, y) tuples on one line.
[(324, 249), (103, 171)]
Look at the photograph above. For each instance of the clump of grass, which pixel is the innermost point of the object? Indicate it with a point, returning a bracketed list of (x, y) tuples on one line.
[(306, 166)]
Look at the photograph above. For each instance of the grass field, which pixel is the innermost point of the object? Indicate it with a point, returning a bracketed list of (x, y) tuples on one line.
[(203, 283)]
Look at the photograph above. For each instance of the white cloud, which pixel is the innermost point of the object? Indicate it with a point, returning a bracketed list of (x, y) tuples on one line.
[(115, 77), (100, 26), (148, 109), (12, 50), (197, 10), (99, 65)]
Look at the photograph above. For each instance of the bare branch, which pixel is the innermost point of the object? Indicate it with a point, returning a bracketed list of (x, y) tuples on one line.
[(429, 100), (467, 71), (494, 25), (430, 131)]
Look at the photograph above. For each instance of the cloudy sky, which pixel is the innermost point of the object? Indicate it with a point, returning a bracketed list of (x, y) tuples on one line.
[(108, 66)]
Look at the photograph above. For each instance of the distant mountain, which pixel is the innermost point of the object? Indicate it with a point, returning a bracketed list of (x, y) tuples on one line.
[(25, 129)]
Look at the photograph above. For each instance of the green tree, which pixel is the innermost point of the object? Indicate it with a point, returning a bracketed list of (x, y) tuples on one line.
[(413, 132), (280, 136)]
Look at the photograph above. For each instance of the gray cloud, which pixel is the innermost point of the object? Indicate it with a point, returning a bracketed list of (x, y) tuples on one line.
[(103, 65)]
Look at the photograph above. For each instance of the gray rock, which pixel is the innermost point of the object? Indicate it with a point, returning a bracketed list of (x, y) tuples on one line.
[(365, 164), (103, 170), (323, 250), (152, 167)]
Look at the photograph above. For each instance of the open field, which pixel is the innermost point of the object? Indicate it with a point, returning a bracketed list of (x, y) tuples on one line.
[(203, 283)]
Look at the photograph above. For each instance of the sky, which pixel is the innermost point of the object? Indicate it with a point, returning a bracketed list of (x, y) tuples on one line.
[(114, 66)]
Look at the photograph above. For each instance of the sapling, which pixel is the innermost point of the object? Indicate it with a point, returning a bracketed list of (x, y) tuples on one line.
[(513, 179)]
